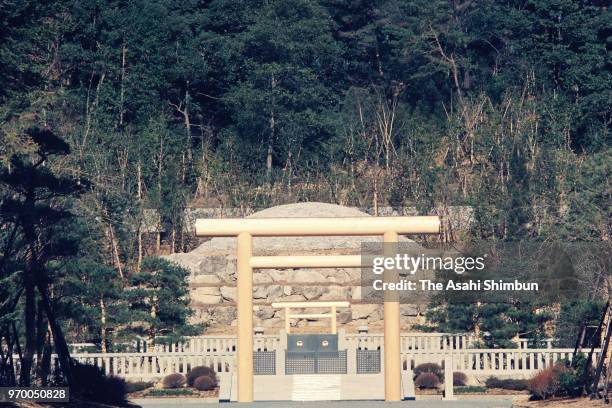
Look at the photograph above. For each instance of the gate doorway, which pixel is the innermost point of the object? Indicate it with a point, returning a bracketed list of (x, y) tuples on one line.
[(314, 354)]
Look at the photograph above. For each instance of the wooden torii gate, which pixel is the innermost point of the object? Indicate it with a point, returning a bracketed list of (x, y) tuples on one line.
[(247, 228), (332, 306)]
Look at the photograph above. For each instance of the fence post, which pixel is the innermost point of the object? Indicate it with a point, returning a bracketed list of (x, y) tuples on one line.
[(382, 358), (280, 349), (448, 378), (334, 326), (351, 351)]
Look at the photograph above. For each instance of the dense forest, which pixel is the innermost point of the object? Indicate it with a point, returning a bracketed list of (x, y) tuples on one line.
[(111, 111)]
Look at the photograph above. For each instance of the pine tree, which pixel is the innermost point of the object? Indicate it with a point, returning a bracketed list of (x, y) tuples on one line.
[(159, 301), (33, 207), (92, 302)]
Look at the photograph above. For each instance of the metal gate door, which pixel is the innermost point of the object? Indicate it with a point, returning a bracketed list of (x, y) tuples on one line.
[(264, 362), (314, 354)]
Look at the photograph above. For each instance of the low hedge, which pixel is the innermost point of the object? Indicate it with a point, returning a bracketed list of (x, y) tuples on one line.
[(170, 392), (135, 386), (459, 379), (173, 381), (506, 384), (471, 389), (205, 383), (199, 371), (429, 368), (427, 380)]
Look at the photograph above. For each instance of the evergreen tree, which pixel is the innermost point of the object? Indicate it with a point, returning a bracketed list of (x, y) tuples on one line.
[(33, 207), (573, 316), (159, 302), (92, 302), (283, 62)]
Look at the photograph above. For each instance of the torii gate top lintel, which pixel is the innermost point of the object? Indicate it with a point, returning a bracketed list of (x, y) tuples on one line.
[(319, 226)]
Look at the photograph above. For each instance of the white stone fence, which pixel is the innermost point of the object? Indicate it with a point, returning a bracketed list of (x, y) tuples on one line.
[(411, 341), (207, 344), (219, 352), (503, 362), (518, 363), (156, 365), (408, 341)]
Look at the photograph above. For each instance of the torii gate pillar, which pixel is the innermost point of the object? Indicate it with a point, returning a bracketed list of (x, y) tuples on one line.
[(245, 317), (393, 384)]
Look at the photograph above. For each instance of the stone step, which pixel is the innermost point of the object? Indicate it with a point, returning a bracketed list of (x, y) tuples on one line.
[(316, 388)]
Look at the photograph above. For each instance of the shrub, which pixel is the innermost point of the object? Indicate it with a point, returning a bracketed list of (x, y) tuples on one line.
[(459, 379), (199, 371), (545, 383), (173, 381), (136, 386), (175, 392), (506, 384), (205, 383), (427, 380), (90, 384), (571, 383), (577, 378), (429, 368)]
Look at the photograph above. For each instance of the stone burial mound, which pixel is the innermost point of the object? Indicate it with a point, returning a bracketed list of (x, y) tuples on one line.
[(213, 277)]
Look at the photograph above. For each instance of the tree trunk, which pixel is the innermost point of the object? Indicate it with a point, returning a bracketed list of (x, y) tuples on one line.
[(139, 258), (17, 344), (140, 221), (41, 333), (159, 188), (7, 363), (103, 325), (375, 195), (181, 239), (30, 279), (139, 180), (269, 156), (153, 317), (271, 135), (173, 240), (158, 240), (122, 91), (289, 173), (30, 330), (115, 250), (89, 113), (187, 122), (58, 337), (45, 363)]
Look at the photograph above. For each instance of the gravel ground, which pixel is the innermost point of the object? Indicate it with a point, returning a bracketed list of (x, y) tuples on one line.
[(334, 404), (523, 402), (519, 402)]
